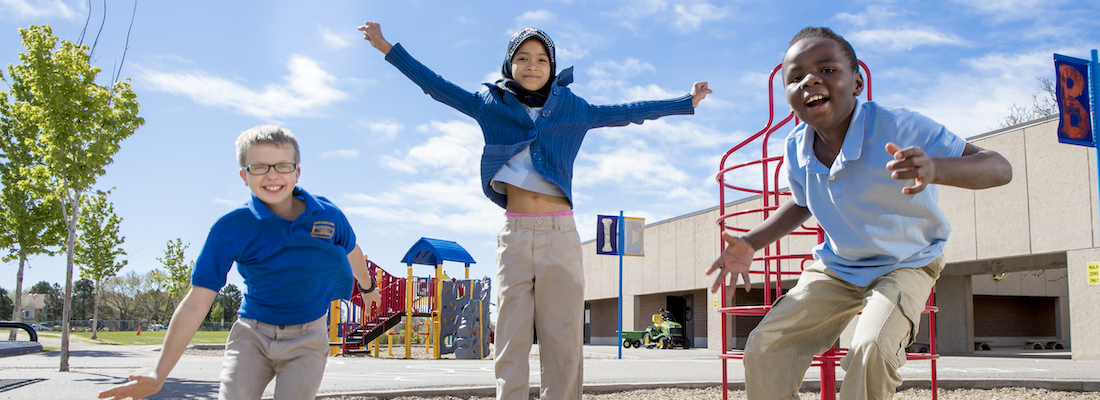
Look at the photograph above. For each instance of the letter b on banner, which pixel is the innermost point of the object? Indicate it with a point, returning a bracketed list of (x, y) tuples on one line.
[(1073, 101)]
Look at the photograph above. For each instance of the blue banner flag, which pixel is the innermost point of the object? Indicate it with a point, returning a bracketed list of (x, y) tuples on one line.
[(607, 234), (1072, 92)]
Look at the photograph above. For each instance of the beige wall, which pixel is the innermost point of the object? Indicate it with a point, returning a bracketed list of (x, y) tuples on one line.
[(1050, 207)]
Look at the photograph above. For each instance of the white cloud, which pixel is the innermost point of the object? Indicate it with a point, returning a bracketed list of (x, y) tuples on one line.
[(638, 9), (37, 9), (535, 18), (342, 153), (333, 40), (902, 39), (1011, 9), (973, 100), (305, 91), (877, 14), (454, 205), (689, 18), (673, 134), (385, 130), (456, 152), (618, 71), (627, 168)]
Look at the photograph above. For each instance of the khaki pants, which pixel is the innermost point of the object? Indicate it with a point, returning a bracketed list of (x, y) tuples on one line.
[(811, 316), (295, 355), (540, 285)]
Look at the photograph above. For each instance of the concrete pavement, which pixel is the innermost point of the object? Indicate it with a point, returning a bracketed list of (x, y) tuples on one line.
[(35, 376)]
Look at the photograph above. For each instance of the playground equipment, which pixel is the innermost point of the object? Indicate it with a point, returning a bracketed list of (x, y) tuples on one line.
[(778, 264), (457, 311)]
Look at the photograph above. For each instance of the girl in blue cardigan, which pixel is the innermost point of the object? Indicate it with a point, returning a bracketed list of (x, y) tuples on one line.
[(533, 127)]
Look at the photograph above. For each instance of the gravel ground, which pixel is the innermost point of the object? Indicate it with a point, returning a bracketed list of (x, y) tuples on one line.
[(715, 394), (703, 394)]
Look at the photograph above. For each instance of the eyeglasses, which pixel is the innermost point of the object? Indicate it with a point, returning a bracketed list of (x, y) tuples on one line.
[(262, 169)]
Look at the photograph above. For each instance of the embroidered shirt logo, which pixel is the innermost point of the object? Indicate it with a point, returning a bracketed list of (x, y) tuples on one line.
[(323, 230)]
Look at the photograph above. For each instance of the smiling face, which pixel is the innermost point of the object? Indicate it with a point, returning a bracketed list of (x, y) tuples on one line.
[(531, 65), (272, 188), (821, 84)]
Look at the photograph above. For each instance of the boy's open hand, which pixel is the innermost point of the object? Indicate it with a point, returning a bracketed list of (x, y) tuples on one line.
[(911, 163), (372, 32), (699, 92), (373, 297), (139, 386), (734, 260)]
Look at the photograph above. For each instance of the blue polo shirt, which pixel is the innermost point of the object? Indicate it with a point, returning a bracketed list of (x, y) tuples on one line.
[(292, 269), (871, 227)]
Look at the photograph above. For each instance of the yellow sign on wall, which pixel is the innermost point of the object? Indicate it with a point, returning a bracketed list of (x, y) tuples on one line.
[(1094, 273)]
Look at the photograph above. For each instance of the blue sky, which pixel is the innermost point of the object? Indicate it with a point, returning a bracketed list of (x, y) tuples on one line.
[(403, 166)]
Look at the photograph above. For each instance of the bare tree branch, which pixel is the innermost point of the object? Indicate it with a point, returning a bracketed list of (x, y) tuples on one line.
[(125, 49), (87, 20)]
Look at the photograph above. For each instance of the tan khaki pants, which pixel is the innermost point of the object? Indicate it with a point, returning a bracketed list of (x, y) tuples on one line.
[(811, 316), (540, 284), (295, 355)]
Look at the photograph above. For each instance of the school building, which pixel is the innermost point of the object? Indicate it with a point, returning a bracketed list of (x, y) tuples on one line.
[(1017, 260)]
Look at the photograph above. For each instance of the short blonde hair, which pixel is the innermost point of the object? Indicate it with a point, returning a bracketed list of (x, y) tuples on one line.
[(266, 134)]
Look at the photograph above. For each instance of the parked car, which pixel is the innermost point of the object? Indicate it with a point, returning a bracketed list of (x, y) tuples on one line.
[(40, 327), (156, 328)]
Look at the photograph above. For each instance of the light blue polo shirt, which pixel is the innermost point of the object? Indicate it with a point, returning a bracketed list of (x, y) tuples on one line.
[(292, 269), (871, 227)]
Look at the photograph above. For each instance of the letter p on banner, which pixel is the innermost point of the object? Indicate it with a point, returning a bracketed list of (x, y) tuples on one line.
[(1072, 95)]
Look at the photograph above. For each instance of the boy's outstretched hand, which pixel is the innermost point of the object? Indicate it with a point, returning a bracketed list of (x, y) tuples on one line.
[(735, 260), (139, 386), (911, 163), (372, 32), (699, 92)]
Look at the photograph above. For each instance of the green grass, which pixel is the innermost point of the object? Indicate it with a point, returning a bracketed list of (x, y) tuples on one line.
[(145, 338)]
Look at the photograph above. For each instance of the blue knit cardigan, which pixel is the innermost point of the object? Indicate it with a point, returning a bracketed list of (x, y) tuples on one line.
[(555, 137)]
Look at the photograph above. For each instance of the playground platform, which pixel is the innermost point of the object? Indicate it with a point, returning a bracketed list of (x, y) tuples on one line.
[(35, 376)]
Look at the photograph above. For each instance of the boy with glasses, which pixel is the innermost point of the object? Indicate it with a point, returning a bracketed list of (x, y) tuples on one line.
[(296, 252)]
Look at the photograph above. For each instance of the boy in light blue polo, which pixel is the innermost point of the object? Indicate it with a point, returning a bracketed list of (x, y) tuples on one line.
[(865, 172), (296, 252)]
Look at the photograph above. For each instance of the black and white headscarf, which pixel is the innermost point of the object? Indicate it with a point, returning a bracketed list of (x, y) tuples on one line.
[(530, 98)]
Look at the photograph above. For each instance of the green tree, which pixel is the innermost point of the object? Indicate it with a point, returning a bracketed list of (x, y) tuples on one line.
[(230, 299), (7, 305), (29, 215), (79, 125), (152, 302), (52, 295), (175, 279), (83, 299), (99, 247), (121, 294), (225, 305), (41, 287), (55, 305)]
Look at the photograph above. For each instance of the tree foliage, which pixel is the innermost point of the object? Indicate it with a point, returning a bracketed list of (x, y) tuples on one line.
[(7, 306), (175, 279), (226, 304), (99, 246), (29, 215), (83, 299), (78, 126)]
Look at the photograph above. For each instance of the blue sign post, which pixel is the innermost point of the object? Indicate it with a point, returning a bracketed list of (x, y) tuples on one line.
[(611, 239), (1078, 87)]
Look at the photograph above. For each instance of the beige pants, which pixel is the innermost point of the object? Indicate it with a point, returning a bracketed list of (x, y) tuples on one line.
[(811, 316), (540, 285), (295, 355)]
